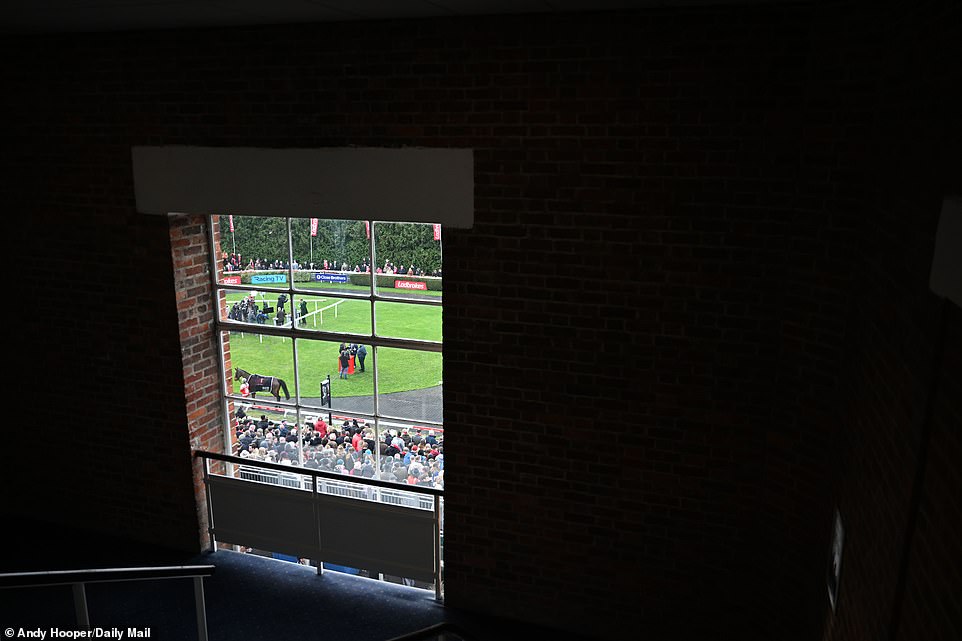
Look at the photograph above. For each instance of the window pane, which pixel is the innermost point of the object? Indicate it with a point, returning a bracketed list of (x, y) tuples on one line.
[(332, 314), (255, 253), (411, 454), (265, 363), (319, 364), (409, 384), (408, 260), (335, 259), (343, 444), (255, 307), (399, 320), (265, 434)]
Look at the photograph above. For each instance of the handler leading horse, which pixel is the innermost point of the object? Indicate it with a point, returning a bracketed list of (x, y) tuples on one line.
[(260, 383)]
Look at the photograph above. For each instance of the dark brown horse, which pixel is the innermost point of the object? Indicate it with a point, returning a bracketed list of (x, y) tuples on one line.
[(260, 383)]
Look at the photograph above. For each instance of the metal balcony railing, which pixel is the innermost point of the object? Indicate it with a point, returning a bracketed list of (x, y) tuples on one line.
[(78, 579), (306, 513)]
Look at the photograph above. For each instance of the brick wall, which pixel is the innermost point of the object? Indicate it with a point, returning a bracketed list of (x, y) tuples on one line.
[(106, 447), (931, 605), (894, 483), (644, 330), (196, 310)]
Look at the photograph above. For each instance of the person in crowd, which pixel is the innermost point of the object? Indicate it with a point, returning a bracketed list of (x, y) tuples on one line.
[(345, 361), (303, 312), (321, 426), (361, 355), (353, 348)]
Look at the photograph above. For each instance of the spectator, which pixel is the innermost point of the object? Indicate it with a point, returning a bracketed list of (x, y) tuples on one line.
[(361, 355)]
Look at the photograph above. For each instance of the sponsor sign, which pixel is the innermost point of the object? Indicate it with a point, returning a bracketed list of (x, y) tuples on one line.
[(409, 284), (437, 232), (267, 279), (330, 278), (231, 219), (232, 280), (313, 226)]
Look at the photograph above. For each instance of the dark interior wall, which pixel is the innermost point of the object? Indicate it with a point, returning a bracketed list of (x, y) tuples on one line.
[(894, 484), (644, 329)]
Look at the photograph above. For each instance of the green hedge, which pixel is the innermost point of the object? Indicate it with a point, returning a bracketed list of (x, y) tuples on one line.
[(386, 281)]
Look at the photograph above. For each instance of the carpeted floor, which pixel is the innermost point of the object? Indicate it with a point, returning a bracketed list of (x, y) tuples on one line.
[(249, 598)]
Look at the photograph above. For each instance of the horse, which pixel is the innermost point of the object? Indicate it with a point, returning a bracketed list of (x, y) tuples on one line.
[(260, 383)]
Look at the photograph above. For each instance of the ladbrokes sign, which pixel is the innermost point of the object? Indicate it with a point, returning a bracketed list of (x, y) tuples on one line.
[(409, 284)]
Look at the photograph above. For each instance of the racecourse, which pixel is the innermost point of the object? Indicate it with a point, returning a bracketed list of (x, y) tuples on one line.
[(399, 370)]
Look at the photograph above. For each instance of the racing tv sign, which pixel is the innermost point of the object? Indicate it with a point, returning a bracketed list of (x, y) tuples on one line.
[(268, 279), (409, 284), (330, 278)]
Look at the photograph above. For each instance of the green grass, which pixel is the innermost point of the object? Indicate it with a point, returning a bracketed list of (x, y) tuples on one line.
[(398, 369)]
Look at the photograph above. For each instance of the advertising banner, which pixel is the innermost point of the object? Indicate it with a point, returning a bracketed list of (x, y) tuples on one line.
[(268, 279), (409, 284), (330, 278), (232, 280)]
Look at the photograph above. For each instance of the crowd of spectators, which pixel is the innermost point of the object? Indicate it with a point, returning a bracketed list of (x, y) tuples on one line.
[(246, 310), (409, 455), (412, 270), (234, 262), (343, 266)]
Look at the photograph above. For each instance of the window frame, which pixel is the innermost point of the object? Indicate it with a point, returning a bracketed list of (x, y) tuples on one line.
[(296, 334)]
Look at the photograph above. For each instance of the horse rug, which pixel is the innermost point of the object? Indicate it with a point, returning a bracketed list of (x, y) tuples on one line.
[(259, 383)]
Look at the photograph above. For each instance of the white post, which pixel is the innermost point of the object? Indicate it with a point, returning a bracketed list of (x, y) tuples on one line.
[(80, 606), (201, 608)]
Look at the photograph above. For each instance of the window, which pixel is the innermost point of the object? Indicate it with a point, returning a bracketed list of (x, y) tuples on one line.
[(331, 344)]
